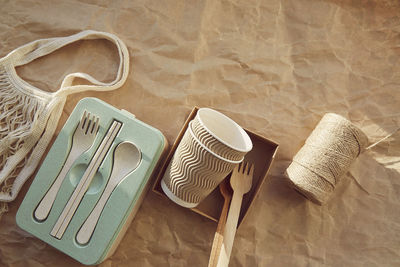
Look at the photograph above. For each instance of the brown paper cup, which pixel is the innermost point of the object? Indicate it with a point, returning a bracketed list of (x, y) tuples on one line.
[(194, 171)]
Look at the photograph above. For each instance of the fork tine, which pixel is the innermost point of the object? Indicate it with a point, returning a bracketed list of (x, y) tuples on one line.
[(251, 170), (245, 167), (83, 119), (95, 127), (239, 169), (91, 126), (90, 122), (87, 122)]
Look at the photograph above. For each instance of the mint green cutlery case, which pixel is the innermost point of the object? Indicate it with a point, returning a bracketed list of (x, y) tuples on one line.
[(123, 202)]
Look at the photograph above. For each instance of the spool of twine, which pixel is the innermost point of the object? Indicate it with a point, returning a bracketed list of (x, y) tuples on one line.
[(326, 155)]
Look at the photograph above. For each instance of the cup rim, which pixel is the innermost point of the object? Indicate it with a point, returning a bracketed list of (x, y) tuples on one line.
[(207, 149), (247, 139), (230, 155)]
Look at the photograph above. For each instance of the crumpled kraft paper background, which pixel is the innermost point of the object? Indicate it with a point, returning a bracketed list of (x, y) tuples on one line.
[(273, 66)]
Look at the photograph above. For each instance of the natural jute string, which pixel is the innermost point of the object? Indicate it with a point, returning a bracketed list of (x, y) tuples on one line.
[(326, 155)]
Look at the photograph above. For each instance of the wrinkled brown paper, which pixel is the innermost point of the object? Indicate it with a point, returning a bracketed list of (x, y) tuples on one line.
[(273, 66)]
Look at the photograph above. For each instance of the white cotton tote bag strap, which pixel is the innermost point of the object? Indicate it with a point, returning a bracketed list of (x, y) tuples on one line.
[(23, 163), (31, 51)]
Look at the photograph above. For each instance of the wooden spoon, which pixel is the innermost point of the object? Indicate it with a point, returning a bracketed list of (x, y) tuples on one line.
[(226, 192)]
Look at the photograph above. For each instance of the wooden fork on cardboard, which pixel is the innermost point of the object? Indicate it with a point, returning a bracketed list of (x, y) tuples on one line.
[(241, 181)]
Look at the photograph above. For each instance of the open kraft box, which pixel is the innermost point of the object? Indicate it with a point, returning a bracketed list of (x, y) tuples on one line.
[(262, 156)]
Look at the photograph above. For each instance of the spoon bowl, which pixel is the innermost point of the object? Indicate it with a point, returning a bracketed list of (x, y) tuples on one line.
[(127, 157)]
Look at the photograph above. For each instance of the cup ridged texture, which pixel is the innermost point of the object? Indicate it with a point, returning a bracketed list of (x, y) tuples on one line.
[(194, 172), (214, 144)]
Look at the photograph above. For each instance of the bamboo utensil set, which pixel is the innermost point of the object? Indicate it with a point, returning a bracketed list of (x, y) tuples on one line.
[(126, 158), (92, 182)]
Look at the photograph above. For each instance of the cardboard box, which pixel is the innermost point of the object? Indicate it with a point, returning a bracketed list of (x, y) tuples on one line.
[(262, 156)]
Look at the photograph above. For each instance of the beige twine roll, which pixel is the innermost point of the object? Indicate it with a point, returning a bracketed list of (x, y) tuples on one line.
[(326, 155)]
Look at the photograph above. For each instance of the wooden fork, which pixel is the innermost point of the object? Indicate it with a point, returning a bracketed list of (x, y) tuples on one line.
[(241, 180)]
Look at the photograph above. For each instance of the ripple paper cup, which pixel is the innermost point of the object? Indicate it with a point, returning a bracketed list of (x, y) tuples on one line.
[(194, 171)]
